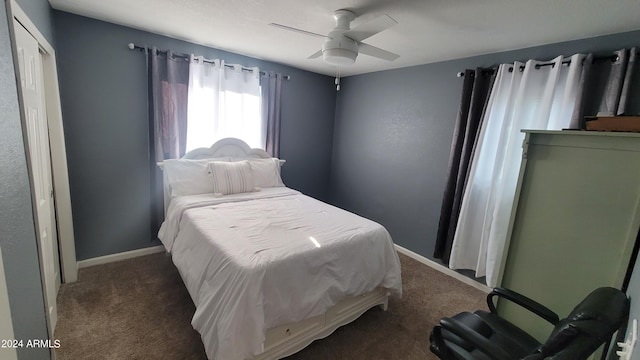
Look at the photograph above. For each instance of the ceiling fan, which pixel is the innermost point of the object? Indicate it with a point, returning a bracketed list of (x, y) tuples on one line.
[(342, 45)]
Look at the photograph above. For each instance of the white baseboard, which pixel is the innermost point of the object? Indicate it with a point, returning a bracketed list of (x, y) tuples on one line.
[(119, 256), (445, 270)]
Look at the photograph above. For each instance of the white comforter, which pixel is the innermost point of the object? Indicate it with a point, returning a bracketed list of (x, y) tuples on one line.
[(255, 261)]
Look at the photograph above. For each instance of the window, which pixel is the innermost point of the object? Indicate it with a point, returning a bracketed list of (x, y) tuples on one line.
[(223, 101)]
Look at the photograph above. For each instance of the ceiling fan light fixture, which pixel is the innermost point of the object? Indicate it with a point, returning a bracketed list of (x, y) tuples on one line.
[(339, 56), (339, 50)]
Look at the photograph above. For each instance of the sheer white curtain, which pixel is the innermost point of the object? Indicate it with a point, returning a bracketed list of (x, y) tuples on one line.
[(223, 102), (538, 97)]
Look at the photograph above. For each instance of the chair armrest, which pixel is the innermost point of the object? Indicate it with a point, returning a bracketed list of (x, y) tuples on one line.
[(523, 301), (478, 341)]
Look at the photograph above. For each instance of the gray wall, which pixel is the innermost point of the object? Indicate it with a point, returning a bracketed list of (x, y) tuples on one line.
[(103, 87), (393, 132), (18, 239)]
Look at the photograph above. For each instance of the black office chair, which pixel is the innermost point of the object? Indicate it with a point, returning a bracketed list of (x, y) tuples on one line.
[(486, 336)]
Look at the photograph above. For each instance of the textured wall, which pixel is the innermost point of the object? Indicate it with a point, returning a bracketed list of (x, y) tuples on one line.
[(103, 87), (393, 132), (17, 229)]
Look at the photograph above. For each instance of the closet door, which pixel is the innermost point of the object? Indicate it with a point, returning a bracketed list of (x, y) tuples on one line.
[(575, 222), (33, 97)]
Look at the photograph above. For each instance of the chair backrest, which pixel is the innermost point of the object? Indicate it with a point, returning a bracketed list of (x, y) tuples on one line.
[(589, 325)]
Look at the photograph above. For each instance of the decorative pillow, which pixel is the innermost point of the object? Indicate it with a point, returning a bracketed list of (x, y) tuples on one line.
[(266, 172), (188, 177), (231, 177)]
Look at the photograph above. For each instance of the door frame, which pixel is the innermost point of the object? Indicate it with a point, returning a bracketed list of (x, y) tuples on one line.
[(59, 168)]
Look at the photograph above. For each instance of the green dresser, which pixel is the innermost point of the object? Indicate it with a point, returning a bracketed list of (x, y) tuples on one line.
[(575, 220)]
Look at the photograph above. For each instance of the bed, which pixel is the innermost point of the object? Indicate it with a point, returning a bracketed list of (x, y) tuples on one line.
[(268, 268)]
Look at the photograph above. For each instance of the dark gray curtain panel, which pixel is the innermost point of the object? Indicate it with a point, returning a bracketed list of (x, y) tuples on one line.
[(625, 92), (168, 85), (577, 117), (271, 94), (619, 85), (475, 95), (607, 85), (168, 82)]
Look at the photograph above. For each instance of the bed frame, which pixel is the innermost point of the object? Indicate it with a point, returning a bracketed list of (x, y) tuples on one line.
[(288, 339)]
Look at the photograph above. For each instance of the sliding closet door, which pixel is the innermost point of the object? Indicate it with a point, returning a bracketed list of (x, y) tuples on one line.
[(33, 102)]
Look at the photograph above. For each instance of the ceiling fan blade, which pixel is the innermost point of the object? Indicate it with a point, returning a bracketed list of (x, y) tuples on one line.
[(370, 28), (316, 54), (376, 52), (285, 27)]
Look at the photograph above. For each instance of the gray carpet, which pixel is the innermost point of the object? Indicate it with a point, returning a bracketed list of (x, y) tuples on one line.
[(140, 309)]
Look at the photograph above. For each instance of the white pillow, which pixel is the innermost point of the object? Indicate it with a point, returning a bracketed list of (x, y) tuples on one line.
[(231, 177), (266, 172), (188, 177)]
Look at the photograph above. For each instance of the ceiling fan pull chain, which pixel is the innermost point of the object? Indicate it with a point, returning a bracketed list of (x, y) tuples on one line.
[(337, 81)]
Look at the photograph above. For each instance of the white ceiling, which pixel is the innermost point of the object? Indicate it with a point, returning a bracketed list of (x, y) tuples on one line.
[(427, 30)]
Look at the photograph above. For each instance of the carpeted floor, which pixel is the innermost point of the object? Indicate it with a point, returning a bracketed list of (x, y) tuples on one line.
[(140, 309)]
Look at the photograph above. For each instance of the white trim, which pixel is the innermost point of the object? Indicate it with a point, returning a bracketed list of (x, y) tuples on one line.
[(445, 270), (22, 17), (69, 267), (119, 256), (6, 326)]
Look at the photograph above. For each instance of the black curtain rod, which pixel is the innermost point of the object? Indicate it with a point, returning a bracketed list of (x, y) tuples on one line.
[(612, 58), (489, 71), (133, 46)]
